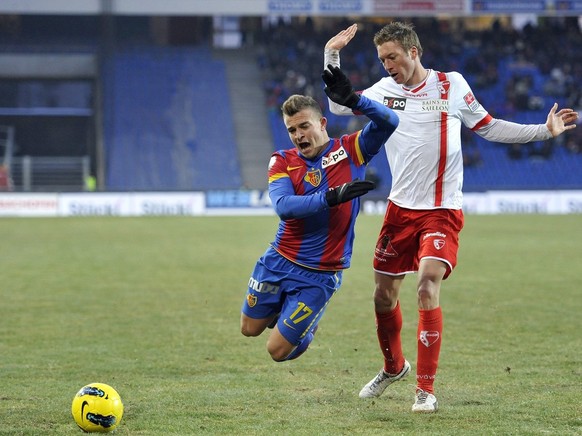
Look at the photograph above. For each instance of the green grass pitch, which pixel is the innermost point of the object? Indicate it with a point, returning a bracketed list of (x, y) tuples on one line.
[(151, 307)]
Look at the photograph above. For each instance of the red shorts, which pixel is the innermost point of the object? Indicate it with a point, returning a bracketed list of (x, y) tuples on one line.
[(408, 235)]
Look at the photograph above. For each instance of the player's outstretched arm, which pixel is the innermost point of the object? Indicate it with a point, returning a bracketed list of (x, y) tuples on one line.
[(342, 39), (558, 122), (331, 57)]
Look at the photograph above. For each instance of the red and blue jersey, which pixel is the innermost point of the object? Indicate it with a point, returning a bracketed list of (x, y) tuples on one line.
[(310, 233), (321, 240)]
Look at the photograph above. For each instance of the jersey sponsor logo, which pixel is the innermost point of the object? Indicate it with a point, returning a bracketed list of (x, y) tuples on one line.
[(435, 105), (313, 177), (334, 157), (289, 168), (444, 87), (430, 235), (263, 287), (428, 337), (471, 101), (395, 103)]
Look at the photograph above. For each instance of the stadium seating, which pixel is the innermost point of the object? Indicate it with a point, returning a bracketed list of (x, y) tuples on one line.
[(168, 121)]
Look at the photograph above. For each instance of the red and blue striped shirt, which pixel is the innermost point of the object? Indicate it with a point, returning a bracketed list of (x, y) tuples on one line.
[(310, 233)]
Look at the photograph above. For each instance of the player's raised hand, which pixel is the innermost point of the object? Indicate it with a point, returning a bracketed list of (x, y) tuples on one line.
[(348, 191), (339, 88), (342, 39), (559, 122)]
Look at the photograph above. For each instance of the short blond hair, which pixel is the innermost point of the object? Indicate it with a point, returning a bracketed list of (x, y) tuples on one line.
[(401, 33), (296, 103)]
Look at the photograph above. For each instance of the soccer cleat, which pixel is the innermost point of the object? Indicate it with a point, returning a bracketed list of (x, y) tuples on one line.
[(425, 402), (378, 385)]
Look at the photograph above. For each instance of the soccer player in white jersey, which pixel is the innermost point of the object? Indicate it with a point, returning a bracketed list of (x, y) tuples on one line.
[(424, 217)]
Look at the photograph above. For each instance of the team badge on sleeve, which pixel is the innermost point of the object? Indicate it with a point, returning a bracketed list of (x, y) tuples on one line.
[(471, 101)]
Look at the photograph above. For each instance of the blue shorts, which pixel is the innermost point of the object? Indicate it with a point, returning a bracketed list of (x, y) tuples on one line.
[(300, 295)]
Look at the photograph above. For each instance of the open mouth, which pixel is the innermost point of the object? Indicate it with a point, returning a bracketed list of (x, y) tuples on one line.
[(303, 145)]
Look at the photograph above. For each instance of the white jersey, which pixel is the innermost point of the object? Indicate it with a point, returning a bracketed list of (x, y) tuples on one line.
[(424, 153)]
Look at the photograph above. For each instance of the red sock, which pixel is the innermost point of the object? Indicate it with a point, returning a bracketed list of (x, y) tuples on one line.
[(429, 334), (388, 326)]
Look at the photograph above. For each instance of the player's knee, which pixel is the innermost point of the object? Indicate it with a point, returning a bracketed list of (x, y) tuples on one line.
[(424, 293), (384, 298), (279, 351), (428, 295), (278, 354), (247, 333), (248, 330)]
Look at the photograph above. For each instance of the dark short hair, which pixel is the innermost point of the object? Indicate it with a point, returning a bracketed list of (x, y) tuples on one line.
[(296, 103), (401, 33)]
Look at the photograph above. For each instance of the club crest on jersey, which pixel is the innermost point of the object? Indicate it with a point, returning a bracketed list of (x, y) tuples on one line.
[(313, 177), (334, 157), (251, 300), (438, 243), (444, 87)]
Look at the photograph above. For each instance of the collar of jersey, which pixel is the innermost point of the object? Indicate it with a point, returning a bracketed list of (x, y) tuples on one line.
[(418, 87)]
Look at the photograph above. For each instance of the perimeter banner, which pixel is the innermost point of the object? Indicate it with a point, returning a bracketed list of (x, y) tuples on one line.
[(416, 7), (539, 7), (28, 205), (509, 6)]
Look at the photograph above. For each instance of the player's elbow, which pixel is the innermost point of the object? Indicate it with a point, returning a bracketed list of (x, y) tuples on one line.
[(283, 209)]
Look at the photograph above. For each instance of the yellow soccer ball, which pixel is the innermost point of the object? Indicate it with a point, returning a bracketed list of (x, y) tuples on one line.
[(97, 407)]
